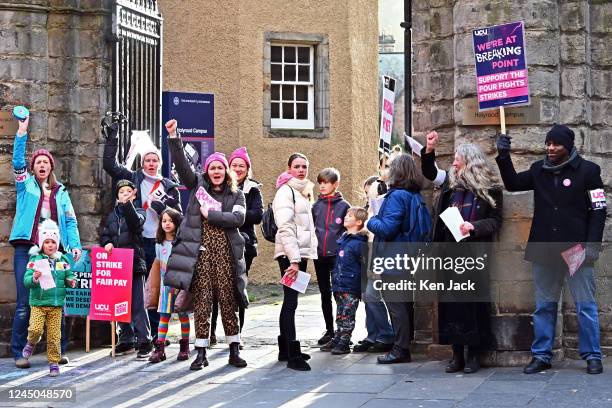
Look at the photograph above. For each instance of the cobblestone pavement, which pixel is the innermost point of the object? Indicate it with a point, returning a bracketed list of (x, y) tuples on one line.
[(352, 380)]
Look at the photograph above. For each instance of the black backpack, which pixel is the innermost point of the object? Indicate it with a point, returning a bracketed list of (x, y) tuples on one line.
[(268, 224)]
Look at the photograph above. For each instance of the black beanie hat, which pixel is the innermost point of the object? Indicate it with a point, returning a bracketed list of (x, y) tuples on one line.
[(125, 183), (561, 134)]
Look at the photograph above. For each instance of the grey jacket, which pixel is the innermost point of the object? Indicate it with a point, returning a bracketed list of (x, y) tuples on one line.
[(186, 246)]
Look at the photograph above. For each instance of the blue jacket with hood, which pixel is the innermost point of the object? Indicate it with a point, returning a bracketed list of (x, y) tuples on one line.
[(25, 223)]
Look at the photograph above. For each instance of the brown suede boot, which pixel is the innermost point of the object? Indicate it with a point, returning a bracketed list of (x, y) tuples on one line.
[(184, 350), (159, 354)]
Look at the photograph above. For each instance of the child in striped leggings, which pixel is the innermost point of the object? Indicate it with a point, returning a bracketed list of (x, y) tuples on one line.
[(169, 221)]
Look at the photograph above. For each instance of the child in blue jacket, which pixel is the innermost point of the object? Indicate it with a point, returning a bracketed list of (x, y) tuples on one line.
[(346, 278)]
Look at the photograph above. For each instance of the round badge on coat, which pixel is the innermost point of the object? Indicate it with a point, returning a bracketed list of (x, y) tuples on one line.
[(567, 182), (341, 252), (338, 220)]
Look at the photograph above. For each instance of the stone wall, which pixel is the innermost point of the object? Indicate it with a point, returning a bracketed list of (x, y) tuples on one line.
[(54, 59), (570, 71)]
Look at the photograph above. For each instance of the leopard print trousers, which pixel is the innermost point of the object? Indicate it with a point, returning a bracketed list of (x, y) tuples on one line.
[(214, 280), (50, 316)]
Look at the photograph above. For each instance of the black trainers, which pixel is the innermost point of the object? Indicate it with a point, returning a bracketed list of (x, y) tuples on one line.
[(329, 346), (594, 366), (122, 349), (363, 346), (341, 348), (379, 347), (327, 336), (535, 366), (144, 350)]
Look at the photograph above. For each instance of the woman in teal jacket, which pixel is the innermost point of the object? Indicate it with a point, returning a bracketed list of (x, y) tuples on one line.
[(39, 196)]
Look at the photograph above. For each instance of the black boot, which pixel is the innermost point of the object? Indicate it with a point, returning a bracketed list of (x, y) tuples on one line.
[(282, 350), (296, 361), (473, 361), (234, 357), (200, 360), (458, 361)]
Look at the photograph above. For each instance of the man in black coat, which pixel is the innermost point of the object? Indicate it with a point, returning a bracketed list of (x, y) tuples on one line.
[(569, 209)]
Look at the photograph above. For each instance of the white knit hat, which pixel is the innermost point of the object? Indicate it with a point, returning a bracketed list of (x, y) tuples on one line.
[(148, 150), (48, 229)]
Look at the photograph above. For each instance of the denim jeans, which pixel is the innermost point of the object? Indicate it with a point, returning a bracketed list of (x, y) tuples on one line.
[(377, 317), (548, 280), (21, 320), (139, 330)]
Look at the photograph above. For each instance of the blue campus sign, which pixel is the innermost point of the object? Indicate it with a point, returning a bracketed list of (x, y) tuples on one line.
[(501, 69), (195, 114)]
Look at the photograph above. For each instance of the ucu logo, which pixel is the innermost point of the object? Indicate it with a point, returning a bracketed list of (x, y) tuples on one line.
[(482, 32), (101, 308)]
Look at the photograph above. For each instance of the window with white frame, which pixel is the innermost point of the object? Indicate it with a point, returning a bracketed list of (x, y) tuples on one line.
[(292, 86)]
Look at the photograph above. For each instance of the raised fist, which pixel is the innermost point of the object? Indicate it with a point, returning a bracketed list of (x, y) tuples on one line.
[(23, 126), (432, 141), (171, 126)]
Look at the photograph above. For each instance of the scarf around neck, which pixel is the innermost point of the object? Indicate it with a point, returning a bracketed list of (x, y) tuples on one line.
[(548, 166)]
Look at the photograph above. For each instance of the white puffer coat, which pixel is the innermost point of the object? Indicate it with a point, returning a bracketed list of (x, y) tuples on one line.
[(296, 238)]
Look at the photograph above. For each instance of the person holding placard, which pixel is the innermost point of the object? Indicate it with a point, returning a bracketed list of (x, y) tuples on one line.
[(122, 228), (473, 189), (569, 209), (40, 196), (48, 273), (208, 253), (154, 193), (295, 243)]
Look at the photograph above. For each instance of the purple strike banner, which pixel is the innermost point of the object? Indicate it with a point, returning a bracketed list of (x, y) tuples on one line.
[(501, 69)]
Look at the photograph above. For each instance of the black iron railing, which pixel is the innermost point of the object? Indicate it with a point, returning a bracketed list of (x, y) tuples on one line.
[(137, 74)]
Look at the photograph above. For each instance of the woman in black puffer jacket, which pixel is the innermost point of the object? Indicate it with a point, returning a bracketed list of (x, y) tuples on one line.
[(240, 163), (208, 253)]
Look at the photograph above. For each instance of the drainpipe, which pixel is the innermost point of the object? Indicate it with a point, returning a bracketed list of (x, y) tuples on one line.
[(407, 26)]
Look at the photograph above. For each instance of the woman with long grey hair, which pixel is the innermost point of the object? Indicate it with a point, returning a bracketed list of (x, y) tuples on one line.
[(472, 186)]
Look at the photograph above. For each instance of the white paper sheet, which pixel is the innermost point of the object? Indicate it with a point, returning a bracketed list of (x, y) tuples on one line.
[(415, 145), (300, 283), (46, 280), (453, 219)]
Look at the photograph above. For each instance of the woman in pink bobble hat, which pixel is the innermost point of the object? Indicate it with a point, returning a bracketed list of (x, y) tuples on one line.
[(240, 163)]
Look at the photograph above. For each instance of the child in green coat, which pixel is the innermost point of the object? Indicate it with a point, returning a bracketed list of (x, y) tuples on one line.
[(48, 272)]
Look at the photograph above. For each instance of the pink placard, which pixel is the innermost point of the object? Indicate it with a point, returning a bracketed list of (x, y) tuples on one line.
[(574, 258), (111, 284), (205, 198)]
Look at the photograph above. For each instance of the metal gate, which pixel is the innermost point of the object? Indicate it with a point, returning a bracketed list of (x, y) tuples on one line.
[(137, 75)]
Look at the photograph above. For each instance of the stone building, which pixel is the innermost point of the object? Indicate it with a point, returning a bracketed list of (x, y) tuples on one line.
[(570, 72), (60, 59), (234, 58), (54, 58)]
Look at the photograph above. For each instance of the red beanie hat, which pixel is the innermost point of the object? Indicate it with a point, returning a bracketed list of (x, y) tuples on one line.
[(42, 152)]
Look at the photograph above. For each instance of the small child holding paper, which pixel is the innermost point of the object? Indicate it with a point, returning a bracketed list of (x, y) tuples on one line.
[(48, 272), (123, 229), (346, 278)]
